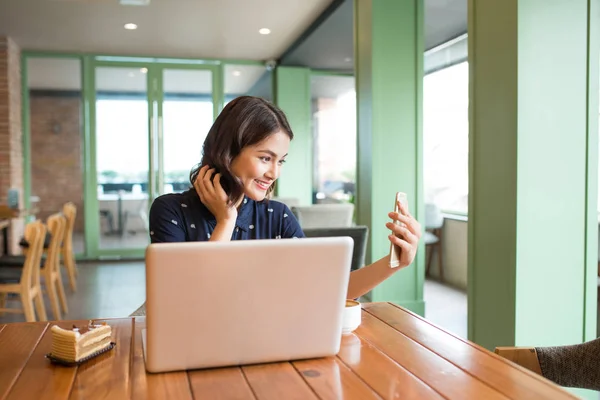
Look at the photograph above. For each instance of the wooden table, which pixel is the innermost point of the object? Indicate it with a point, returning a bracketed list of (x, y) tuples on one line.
[(394, 354)]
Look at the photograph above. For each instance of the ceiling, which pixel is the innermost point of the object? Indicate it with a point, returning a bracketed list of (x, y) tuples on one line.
[(313, 33), (223, 29), (330, 46), (330, 86)]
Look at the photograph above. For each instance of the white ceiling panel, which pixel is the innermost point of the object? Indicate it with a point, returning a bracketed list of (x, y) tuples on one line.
[(224, 29)]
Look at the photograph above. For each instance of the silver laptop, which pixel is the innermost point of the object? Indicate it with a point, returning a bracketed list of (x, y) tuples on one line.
[(213, 304)]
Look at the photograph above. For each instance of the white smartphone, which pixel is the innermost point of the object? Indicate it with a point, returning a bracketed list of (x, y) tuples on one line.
[(395, 250)]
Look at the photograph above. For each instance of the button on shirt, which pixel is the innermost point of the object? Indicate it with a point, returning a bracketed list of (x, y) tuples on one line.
[(181, 217)]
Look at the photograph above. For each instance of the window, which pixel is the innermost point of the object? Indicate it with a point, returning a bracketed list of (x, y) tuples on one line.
[(334, 138), (446, 138)]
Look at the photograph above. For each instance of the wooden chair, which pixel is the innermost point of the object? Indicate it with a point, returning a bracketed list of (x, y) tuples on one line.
[(51, 271), (523, 356), (288, 201), (359, 235), (576, 365), (324, 215), (28, 287), (434, 224), (68, 255)]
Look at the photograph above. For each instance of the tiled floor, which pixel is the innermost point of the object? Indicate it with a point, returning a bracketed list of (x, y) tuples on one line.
[(104, 290), (446, 307), (129, 240)]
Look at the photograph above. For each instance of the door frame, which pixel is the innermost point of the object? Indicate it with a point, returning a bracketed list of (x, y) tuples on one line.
[(155, 98)]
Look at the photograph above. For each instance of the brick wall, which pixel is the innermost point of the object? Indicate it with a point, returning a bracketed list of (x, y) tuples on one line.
[(56, 152), (11, 149)]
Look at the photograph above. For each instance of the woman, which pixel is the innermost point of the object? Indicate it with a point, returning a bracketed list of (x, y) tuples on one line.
[(243, 155)]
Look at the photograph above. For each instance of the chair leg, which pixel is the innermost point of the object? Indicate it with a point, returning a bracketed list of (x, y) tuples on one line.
[(74, 265), (51, 288), (440, 262), (69, 264), (429, 259), (40, 308), (61, 293), (28, 308)]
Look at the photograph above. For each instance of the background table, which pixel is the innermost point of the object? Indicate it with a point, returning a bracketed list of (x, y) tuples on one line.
[(394, 354)]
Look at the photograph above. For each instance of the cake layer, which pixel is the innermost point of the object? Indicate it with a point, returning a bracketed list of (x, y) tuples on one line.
[(80, 334), (70, 353), (77, 343)]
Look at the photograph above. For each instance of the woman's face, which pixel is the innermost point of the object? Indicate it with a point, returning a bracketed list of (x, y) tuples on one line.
[(259, 165)]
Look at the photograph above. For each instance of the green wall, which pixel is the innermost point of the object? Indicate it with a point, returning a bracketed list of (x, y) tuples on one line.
[(389, 76), (533, 172), (292, 95)]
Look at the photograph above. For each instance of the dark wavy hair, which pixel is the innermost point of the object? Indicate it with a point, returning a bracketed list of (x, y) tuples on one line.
[(244, 121)]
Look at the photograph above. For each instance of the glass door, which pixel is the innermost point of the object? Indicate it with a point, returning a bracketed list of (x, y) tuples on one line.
[(122, 158), (186, 111), (150, 123)]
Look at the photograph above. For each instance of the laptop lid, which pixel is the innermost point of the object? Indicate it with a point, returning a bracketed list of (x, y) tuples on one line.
[(212, 304)]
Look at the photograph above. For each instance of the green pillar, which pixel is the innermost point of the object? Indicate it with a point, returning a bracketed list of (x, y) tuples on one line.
[(533, 171), (389, 80), (292, 95)]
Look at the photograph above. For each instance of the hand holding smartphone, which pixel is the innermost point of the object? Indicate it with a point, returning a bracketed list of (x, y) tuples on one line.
[(395, 250)]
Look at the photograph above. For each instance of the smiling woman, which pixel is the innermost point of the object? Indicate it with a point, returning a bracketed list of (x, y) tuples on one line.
[(249, 137), (242, 158)]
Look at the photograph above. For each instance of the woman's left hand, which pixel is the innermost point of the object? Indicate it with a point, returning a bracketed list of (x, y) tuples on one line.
[(406, 237)]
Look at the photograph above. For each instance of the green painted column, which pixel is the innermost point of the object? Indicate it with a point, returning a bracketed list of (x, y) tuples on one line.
[(389, 85), (292, 95), (533, 221)]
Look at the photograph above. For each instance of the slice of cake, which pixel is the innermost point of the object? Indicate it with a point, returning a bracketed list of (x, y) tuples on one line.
[(75, 344)]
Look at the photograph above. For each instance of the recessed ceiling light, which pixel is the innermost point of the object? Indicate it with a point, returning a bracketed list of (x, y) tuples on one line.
[(347, 59), (144, 70), (264, 31), (236, 73), (130, 26), (134, 2)]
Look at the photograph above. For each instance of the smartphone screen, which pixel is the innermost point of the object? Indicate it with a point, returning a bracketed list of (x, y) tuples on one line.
[(395, 250)]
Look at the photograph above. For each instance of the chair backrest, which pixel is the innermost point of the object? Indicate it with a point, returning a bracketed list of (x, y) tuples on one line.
[(433, 216), (288, 201), (70, 212), (359, 235), (35, 232), (56, 227), (324, 215)]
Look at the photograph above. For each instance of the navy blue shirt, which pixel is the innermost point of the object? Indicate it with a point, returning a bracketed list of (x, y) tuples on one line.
[(181, 217)]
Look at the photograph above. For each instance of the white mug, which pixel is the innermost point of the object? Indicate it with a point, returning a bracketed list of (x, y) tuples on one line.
[(352, 317)]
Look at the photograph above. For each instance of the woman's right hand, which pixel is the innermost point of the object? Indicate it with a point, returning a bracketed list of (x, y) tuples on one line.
[(213, 195)]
